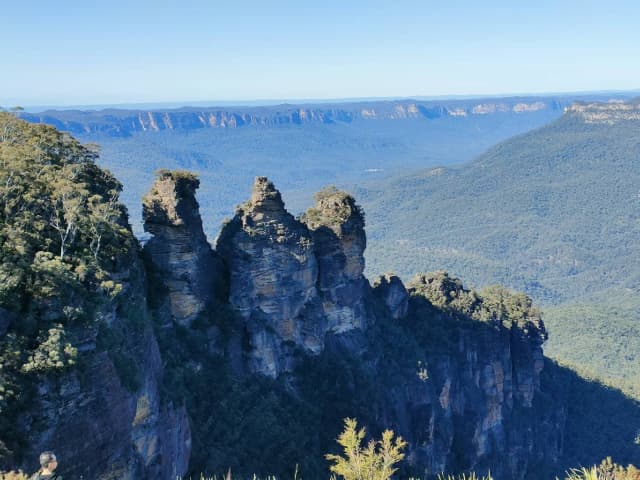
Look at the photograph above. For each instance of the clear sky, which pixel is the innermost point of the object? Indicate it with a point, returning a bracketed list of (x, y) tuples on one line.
[(100, 52)]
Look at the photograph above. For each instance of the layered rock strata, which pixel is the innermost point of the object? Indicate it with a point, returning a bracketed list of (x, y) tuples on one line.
[(273, 274), (106, 420), (190, 271), (337, 226)]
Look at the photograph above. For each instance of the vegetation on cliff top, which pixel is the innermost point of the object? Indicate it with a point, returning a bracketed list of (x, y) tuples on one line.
[(490, 304), (63, 234)]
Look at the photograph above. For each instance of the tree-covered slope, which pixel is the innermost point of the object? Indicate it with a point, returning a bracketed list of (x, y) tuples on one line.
[(554, 212), (599, 336)]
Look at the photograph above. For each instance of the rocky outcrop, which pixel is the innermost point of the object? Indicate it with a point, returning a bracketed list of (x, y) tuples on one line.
[(273, 273), (106, 420), (337, 226), (390, 289), (295, 281), (474, 401), (187, 267)]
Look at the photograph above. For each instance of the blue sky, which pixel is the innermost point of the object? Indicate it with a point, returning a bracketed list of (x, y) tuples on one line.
[(82, 52)]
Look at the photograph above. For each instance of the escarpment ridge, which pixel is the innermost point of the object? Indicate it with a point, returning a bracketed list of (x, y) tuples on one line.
[(124, 122)]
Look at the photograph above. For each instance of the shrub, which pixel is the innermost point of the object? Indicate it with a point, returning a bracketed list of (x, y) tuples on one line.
[(374, 462), (607, 470), (13, 475)]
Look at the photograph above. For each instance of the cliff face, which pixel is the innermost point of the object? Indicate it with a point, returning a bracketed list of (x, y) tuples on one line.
[(126, 122), (292, 282), (80, 368), (474, 400), (192, 274), (337, 226), (106, 419), (605, 113)]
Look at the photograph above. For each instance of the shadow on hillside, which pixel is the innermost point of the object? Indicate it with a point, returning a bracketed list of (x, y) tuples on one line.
[(601, 421)]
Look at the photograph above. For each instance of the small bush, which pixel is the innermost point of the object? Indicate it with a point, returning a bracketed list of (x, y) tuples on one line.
[(607, 470), (376, 461)]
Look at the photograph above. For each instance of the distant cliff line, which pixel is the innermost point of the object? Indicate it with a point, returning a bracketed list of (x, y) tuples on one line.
[(118, 122)]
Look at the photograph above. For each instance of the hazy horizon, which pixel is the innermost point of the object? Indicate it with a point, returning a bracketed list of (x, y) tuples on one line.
[(177, 104)]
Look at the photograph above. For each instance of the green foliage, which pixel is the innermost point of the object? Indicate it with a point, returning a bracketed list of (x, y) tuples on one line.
[(375, 461), (464, 476), (494, 304), (64, 244), (551, 212), (333, 207), (19, 475), (445, 292), (53, 353), (607, 470), (600, 337), (185, 175), (600, 420), (61, 226)]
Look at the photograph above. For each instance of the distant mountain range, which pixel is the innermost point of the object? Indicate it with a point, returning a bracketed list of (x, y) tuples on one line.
[(301, 147), (124, 122)]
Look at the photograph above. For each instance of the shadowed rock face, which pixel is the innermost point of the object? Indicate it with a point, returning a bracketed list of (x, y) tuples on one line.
[(391, 290), (477, 392), (474, 400), (192, 273), (99, 426), (273, 273), (295, 281), (337, 225)]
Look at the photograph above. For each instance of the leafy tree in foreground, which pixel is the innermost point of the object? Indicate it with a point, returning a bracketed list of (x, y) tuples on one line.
[(376, 461)]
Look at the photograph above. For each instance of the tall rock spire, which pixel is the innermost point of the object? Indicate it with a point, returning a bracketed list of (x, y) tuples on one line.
[(337, 225), (273, 274), (191, 272)]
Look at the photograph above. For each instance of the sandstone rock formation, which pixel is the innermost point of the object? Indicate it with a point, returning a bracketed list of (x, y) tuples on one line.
[(294, 281), (478, 380), (337, 225), (189, 269), (107, 420), (273, 274)]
